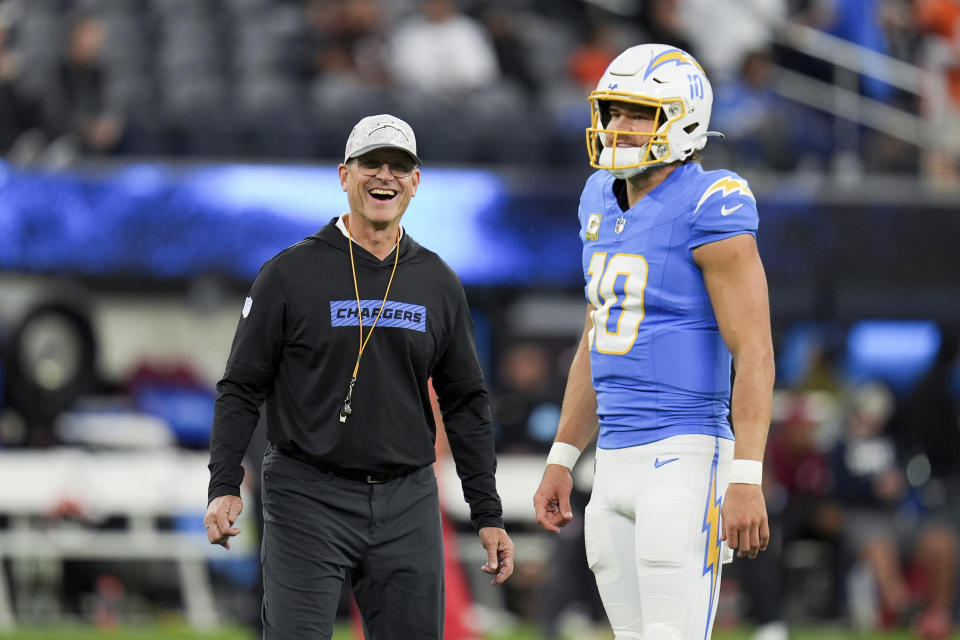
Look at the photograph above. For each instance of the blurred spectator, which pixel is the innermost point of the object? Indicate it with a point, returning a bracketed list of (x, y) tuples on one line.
[(799, 464), (873, 488), (816, 14), (798, 482), (443, 52), (926, 427), (870, 482), (939, 20), (901, 28), (821, 372), (755, 120), (663, 23), (859, 22), (19, 113), (319, 19), (343, 38), (78, 104), (591, 58), (812, 13), (722, 33), (525, 406), (512, 55)]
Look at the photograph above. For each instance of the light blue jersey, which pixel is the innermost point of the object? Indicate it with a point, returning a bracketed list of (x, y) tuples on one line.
[(659, 364)]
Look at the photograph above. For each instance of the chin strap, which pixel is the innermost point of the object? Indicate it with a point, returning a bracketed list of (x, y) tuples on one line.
[(623, 174)]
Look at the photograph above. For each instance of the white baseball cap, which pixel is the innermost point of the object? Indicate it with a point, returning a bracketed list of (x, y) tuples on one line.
[(377, 132)]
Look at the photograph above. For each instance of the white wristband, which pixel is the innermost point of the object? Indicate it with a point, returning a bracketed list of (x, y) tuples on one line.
[(746, 472), (563, 454)]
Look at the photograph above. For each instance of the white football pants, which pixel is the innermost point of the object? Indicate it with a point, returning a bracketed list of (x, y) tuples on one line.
[(653, 536)]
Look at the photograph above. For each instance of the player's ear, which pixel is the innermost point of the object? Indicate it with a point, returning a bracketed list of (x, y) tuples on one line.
[(344, 171)]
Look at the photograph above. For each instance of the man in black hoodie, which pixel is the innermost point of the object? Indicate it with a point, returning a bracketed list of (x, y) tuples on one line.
[(340, 335)]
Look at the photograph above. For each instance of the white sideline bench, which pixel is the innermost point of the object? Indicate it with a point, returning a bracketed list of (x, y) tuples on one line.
[(138, 485)]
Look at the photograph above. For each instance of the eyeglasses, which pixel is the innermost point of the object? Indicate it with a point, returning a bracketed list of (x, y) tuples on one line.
[(372, 166)]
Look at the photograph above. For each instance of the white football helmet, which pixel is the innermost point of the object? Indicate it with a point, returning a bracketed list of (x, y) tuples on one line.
[(663, 78)]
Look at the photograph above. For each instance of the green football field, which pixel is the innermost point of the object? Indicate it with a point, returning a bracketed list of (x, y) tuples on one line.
[(343, 633)]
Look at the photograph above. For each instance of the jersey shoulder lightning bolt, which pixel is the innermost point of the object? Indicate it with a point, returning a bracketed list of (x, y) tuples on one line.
[(721, 203), (723, 188)]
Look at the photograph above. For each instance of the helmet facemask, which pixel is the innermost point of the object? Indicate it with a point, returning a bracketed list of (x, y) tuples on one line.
[(625, 162)]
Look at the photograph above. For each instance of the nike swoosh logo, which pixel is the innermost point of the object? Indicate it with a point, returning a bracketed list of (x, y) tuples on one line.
[(725, 212), (659, 463)]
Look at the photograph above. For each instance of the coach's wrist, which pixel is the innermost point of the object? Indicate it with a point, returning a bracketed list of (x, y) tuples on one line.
[(746, 472), (564, 454)]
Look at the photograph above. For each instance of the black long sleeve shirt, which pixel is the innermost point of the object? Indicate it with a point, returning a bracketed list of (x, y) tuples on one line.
[(295, 348)]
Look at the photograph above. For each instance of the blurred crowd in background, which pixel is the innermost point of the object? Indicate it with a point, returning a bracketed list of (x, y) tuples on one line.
[(863, 471), (498, 82)]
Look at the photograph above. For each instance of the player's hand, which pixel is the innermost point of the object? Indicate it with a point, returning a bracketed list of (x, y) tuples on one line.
[(552, 499), (222, 512), (745, 526), (499, 548)]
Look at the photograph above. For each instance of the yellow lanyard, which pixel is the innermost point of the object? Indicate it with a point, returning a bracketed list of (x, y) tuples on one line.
[(347, 409)]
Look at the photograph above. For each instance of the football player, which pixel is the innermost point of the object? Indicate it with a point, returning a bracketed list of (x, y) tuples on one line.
[(676, 292)]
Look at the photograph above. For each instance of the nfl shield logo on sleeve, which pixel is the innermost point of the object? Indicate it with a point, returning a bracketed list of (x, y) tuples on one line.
[(247, 304), (621, 223)]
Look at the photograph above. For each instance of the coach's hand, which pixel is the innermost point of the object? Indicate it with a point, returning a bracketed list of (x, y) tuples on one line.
[(552, 499), (222, 512), (745, 526), (499, 548)]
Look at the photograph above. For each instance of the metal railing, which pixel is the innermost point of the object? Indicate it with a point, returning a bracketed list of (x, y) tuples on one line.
[(841, 97), (850, 105), (854, 57)]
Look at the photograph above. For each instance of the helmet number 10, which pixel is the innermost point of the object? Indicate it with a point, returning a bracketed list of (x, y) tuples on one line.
[(616, 287), (696, 85)]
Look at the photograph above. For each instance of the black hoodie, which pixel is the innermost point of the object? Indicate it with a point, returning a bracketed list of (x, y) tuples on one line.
[(296, 345)]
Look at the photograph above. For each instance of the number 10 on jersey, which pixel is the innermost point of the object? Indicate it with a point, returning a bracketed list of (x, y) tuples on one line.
[(616, 284)]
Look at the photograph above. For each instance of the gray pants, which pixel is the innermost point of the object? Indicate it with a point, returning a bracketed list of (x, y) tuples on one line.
[(319, 527)]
